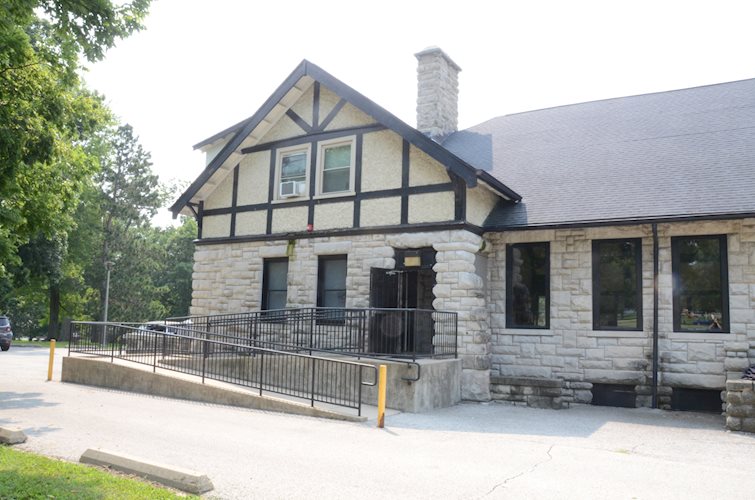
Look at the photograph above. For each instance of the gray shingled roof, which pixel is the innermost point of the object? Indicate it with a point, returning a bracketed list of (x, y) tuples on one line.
[(684, 153)]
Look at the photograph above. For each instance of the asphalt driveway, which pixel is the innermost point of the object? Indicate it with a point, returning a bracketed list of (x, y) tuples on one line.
[(469, 451)]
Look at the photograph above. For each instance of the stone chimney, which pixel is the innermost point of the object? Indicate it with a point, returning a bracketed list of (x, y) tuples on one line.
[(437, 93)]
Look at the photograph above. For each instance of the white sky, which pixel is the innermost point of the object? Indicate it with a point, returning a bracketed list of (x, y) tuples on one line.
[(201, 66)]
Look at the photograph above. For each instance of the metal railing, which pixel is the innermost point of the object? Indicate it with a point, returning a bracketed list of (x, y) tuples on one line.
[(190, 351), (396, 333)]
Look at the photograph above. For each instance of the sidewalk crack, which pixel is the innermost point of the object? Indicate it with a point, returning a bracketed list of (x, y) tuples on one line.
[(503, 483)]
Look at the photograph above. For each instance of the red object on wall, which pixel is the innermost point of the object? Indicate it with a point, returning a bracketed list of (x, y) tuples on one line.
[(310, 228)]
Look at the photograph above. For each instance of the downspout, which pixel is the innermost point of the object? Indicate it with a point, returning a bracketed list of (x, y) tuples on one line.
[(655, 315)]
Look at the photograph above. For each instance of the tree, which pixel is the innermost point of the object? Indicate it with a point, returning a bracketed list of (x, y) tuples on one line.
[(46, 116), (129, 194)]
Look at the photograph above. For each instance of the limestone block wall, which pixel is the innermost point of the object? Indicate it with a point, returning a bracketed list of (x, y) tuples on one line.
[(740, 405), (228, 278), (572, 351)]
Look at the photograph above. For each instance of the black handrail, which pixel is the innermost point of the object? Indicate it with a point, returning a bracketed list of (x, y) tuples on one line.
[(392, 333), (316, 379)]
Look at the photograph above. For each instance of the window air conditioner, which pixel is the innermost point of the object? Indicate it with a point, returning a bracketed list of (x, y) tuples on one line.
[(289, 189)]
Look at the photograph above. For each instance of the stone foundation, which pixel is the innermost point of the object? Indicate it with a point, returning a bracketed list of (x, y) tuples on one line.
[(740, 405), (530, 391)]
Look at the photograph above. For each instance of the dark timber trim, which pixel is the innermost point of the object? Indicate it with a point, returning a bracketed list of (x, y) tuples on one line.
[(460, 198), (358, 179), (409, 228), (312, 182), (200, 217), (405, 149), (366, 195), (271, 190), (319, 136), (316, 107), (234, 199), (333, 112), (298, 120), (242, 130)]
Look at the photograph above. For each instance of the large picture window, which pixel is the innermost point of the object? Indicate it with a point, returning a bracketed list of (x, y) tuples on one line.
[(700, 271), (528, 285), (336, 160), (274, 283), (617, 284)]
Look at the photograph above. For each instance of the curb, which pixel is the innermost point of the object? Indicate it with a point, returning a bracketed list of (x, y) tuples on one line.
[(175, 477), (12, 435)]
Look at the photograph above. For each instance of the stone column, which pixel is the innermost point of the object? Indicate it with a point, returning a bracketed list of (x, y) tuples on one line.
[(460, 288)]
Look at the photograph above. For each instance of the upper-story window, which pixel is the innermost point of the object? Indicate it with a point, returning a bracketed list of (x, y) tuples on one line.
[(336, 166), (292, 172), (701, 287)]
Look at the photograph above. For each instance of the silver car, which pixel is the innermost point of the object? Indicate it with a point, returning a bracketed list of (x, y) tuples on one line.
[(6, 334)]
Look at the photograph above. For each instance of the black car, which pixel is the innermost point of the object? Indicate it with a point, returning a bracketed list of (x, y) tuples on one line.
[(6, 334)]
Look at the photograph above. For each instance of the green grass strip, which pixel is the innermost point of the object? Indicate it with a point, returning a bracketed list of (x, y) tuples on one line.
[(26, 475)]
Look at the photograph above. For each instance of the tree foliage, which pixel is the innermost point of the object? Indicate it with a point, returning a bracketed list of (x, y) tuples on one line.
[(46, 114), (77, 189)]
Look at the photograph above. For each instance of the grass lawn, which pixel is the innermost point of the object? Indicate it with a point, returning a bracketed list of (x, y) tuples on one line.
[(39, 343), (26, 475)]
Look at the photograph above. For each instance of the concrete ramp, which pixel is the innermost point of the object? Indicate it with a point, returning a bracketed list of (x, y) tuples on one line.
[(100, 373)]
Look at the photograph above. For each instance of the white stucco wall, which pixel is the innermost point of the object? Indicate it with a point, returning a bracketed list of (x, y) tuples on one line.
[(424, 170), (381, 161), (216, 226), (251, 223), (380, 212), (221, 195), (431, 207), (480, 202), (287, 219), (334, 215), (350, 116), (254, 178)]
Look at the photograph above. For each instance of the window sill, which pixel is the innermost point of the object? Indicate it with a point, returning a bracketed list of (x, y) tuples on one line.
[(613, 334), (701, 336), (340, 194), (293, 199), (531, 332)]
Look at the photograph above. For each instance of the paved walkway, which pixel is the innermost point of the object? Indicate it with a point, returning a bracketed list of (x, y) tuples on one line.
[(469, 451)]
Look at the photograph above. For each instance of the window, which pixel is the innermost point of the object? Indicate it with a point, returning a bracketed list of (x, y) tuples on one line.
[(617, 284), (700, 270), (336, 162), (528, 285), (292, 172), (331, 281), (274, 283)]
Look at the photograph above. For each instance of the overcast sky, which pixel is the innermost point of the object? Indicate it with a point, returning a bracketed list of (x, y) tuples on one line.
[(201, 66)]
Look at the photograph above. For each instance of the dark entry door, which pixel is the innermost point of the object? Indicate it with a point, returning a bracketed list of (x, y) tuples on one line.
[(404, 331)]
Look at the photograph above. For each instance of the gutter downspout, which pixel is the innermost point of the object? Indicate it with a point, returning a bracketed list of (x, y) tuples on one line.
[(655, 315)]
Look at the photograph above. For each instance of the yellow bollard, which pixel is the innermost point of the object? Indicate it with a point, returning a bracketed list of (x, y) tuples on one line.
[(52, 358), (382, 376)]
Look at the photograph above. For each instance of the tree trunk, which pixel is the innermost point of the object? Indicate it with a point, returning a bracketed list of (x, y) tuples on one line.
[(53, 329)]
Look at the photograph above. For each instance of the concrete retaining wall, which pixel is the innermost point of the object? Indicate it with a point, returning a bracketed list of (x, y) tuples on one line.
[(101, 373)]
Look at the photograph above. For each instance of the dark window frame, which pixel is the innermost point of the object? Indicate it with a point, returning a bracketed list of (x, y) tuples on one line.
[(724, 276), (596, 284), (325, 318), (509, 291), (265, 299)]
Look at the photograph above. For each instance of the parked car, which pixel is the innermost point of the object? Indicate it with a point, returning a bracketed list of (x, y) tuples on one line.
[(6, 334)]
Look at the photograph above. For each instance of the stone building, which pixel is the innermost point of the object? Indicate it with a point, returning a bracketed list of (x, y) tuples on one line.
[(599, 252)]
